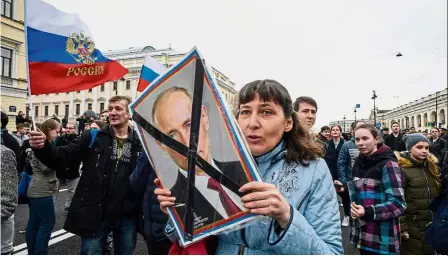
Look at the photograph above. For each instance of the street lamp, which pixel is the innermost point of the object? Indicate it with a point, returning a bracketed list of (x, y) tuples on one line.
[(374, 107), (344, 123), (355, 114)]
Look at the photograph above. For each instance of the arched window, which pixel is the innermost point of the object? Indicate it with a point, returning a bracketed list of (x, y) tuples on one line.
[(442, 116), (419, 120)]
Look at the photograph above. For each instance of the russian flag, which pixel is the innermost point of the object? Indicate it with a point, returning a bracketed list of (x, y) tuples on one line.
[(61, 52), (150, 71)]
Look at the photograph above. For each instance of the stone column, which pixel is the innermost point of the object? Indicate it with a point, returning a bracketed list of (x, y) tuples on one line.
[(83, 103), (95, 98)]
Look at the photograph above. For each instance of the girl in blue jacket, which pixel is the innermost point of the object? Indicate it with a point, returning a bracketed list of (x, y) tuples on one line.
[(297, 196)]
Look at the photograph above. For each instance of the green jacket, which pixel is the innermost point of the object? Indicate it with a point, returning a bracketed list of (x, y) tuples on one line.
[(420, 188)]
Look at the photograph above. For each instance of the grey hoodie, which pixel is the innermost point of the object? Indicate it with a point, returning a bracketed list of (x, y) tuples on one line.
[(9, 182)]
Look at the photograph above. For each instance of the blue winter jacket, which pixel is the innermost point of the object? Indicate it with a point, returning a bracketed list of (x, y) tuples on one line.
[(142, 181), (314, 227), (346, 159)]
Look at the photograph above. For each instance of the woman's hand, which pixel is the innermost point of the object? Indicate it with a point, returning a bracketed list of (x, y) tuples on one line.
[(164, 197), (265, 199), (357, 211)]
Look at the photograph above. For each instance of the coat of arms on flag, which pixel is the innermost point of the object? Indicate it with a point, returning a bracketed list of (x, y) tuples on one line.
[(196, 148)]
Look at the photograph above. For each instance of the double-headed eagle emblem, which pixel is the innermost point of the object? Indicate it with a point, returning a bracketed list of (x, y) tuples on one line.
[(80, 47)]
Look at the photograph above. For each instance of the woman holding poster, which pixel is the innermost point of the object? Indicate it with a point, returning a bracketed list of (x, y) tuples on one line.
[(297, 197)]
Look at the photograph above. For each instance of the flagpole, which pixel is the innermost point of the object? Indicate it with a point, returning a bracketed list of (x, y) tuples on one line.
[(30, 103)]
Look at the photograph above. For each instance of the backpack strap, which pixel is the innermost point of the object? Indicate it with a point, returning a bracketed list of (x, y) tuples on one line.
[(93, 134)]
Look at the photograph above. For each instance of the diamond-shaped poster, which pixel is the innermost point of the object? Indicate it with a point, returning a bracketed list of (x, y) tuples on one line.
[(182, 102)]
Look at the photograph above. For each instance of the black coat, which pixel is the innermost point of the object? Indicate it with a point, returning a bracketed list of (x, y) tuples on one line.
[(438, 149), (20, 120), (102, 192), (202, 208), (10, 142), (82, 122), (72, 171), (395, 143), (331, 157)]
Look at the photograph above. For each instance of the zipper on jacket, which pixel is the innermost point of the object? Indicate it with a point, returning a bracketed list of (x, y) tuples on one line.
[(429, 191)]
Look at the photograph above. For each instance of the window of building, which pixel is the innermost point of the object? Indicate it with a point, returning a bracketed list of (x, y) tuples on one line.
[(56, 110), (78, 109), (7, 8), (36, 111), (101, 106), (128, 85), (90, 90), (46, 111), (89, 106), (115, 85), (102, 88), (6, 62), (67, 109)]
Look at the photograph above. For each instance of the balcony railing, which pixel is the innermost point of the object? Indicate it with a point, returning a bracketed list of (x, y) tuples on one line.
[(8, 81)]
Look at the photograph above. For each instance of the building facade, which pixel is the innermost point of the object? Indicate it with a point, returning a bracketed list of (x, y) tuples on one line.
[(422, 114), (74, 104), (344, 124), (13, 61)]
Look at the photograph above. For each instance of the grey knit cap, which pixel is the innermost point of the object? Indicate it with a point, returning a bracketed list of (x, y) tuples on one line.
[(411, 139)]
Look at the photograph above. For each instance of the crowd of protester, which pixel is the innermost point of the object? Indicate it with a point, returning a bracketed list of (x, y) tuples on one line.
[(391, 186)]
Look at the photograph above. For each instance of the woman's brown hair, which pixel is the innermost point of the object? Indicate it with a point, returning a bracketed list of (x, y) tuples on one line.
[(372, 129), (300, 147), (47, 126)]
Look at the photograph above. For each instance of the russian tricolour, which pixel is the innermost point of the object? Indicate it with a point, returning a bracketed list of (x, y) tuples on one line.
[(61, 52)]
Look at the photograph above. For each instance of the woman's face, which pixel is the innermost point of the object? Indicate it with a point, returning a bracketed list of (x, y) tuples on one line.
[(420, 151), (335, 132), (94, 126), (53, 133), (263, 124), (326, 134), (365, 142)]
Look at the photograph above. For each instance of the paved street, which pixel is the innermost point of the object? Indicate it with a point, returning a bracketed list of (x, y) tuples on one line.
[(63, 243)]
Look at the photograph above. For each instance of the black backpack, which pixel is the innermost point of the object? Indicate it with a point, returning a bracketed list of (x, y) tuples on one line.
[(436, 233)]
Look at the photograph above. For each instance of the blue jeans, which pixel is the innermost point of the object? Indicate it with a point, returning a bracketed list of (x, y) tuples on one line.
[(124, 233), (40, 224)]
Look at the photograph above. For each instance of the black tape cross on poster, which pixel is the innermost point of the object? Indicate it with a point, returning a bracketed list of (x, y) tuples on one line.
[(190, 153)]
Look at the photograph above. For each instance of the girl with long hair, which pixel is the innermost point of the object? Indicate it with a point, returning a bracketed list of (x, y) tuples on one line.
[(378, 185), (42, 188), (422, 184)]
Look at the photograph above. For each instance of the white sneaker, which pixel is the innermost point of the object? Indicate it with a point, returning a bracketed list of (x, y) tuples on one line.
[(346, 221)]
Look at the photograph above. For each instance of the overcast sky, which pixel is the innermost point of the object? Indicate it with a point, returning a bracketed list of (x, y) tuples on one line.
[(334, 51)]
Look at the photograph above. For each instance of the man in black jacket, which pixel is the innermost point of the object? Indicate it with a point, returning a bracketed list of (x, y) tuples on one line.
[(81, 123), (9, 141), (71, 173), (20, 118), (437, 146), (395, 140), (104, 200)]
